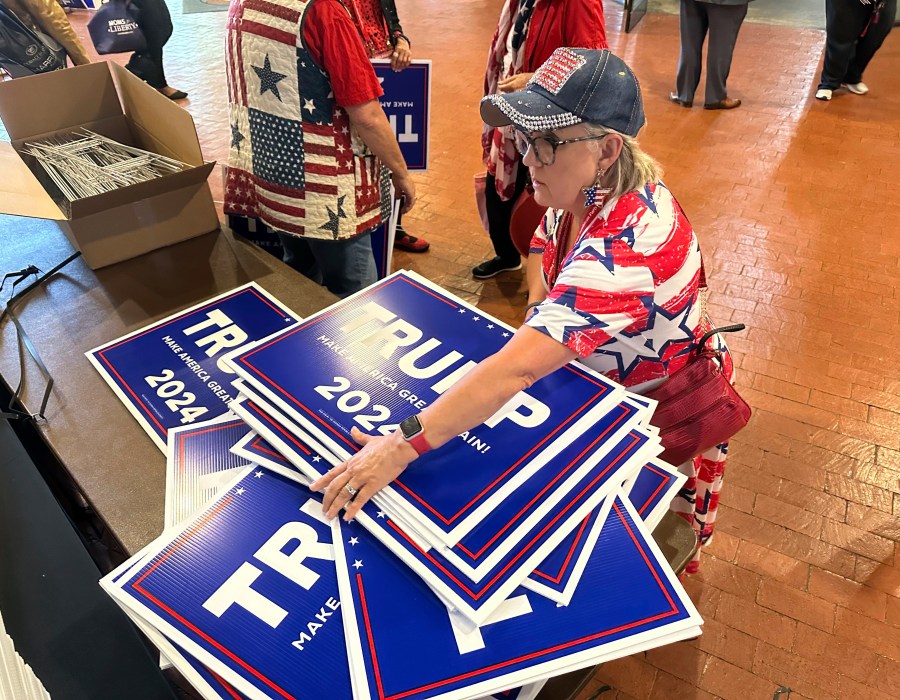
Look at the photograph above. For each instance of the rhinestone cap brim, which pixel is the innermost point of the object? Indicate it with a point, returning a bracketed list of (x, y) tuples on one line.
[(526, 110)]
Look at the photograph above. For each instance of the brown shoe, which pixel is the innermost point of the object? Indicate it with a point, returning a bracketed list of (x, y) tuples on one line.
[(727, 103), (673, 96)]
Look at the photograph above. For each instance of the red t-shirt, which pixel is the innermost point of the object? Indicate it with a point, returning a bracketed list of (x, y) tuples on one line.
[(333, 41)]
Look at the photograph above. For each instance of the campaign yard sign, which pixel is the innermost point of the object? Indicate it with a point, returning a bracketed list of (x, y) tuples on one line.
[(254, 448), (409, 646), (249, 589), (169, 373), (407, 104), (199, 462), (387, 352), (652, 490)]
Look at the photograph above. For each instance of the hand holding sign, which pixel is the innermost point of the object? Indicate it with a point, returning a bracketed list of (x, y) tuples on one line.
[(402, 56), (381, 460), (406, 190)]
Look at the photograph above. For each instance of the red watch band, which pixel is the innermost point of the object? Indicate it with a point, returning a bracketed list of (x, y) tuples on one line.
[(419, 444)]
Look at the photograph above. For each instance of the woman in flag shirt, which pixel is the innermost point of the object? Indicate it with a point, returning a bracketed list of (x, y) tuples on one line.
[(614, 275)]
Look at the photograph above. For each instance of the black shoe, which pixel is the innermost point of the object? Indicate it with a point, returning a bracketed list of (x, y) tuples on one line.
[(176, 95), (673, 96), (493, 267)]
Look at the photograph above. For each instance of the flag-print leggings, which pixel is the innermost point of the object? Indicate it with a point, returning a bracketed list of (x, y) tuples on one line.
[(698, 500)]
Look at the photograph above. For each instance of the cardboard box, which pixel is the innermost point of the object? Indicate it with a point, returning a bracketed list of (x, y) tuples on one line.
[(107, 99)]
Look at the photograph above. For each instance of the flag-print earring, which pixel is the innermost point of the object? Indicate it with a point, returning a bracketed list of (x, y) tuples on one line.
[(595, 195)]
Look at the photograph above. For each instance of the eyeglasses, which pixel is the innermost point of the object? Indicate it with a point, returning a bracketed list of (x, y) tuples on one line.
[(544, 147)]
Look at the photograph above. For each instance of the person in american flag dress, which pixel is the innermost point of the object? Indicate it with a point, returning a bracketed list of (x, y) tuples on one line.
[(614, 274), (309, 140)]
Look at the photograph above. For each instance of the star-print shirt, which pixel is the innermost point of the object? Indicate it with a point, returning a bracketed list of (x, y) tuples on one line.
[(626, 297)]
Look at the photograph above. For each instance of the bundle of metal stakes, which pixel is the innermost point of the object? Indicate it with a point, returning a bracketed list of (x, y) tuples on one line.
[(83, 163)]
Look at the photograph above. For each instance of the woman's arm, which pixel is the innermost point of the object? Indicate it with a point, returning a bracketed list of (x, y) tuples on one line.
[(389, 10), (402, 54), (52, 20), (534, 275), (526, 358)]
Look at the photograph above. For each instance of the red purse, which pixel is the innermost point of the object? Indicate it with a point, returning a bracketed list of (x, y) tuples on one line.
[(698, 407)]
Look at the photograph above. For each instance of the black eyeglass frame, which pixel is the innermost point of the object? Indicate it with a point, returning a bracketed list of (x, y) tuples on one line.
[(550, 139)]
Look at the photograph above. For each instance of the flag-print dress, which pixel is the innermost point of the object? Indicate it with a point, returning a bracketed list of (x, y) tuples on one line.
[(626, 299)]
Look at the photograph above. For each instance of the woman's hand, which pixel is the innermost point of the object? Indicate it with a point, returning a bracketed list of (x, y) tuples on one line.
[(381, 460), (514, 83), (402, 55)]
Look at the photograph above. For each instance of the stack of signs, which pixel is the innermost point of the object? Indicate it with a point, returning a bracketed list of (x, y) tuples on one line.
[(261, 596), (533, 560), (17, 679)]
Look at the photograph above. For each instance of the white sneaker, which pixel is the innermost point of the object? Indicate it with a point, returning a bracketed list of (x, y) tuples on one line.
[(824, 94), (859, 88)]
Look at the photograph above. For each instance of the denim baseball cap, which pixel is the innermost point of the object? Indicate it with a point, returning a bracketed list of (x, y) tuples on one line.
[(571, 87)]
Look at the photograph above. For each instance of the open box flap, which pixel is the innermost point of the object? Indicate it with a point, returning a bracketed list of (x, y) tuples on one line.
[(58, 100), (161, 125), (20, 192)]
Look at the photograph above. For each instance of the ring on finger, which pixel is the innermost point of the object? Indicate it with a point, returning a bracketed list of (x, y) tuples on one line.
[(352, 491)]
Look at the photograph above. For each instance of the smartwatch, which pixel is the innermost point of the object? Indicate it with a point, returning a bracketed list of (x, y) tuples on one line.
[(412, 431)]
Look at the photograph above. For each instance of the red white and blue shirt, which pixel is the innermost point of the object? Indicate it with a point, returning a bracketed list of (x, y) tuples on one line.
[(626, 298)]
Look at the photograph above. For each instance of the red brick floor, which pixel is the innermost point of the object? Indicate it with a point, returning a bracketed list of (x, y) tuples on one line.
[(800, 226)]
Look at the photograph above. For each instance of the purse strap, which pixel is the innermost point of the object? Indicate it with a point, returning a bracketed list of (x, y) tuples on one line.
[(723, 329)]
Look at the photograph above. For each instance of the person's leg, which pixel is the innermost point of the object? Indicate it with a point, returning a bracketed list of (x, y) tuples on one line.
[(347, 265), (693, 26), (698, 500), (844, 22), (156, 24), (499, 214), (868, 45), (297, 254), (724, 24)]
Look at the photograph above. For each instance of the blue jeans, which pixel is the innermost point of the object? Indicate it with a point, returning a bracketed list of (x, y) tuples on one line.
[(344, 267)]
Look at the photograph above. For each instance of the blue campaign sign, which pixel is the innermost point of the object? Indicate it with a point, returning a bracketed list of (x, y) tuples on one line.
[(411, 648), (256, 449), (207, 683), (384, 354), (199, 462), (608, 450), (407, 104), (275, 435), (249, 588), (558, 574), (168, 374), (652, 490)]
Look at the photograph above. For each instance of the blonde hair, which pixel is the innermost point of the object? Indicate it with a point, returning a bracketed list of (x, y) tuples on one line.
[(633, 169)]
